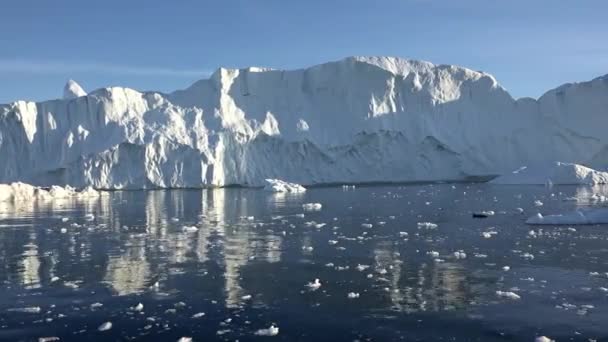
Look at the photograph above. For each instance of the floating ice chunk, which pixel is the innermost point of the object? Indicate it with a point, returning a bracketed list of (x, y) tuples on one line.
[(198, 315), (89, 217), (427, 225), (353, 295), (276, 185), (506, 268), (367, 225), (543, 339), (95, 306), (105, 326), (577, 217), (315, 285), (312, 206), (489, 234), (185, 339), (246, 297), (403, 234), (29, 309), (273, 330), (528, 256), (509, 295), (48, 339), (362, 268), (519, 210), (460, 255), (138, 307), (538, 203), (333, 242), (189, 229), (433, 254)]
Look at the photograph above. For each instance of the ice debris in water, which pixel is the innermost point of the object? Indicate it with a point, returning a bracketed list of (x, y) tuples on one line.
[(543, 339), (427, 225), (138, 307), (277, 185), (30, 309), (198, 315), (314, 285), (508, 294), (105, 326), (367, 225), (538, 203), (483, 214), (312, 206), (185, 339), (189, 229), (353, 295), (273, 330), (460, 255)]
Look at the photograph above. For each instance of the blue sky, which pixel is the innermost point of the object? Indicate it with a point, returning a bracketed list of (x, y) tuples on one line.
[(530, 46)]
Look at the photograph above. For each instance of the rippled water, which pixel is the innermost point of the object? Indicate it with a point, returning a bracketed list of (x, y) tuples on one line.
[(64, 273)]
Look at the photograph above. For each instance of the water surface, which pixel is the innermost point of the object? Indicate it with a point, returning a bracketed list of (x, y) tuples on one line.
[(63, 272)]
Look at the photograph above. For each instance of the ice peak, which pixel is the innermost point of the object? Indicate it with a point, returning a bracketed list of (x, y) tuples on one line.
[(72, 90)]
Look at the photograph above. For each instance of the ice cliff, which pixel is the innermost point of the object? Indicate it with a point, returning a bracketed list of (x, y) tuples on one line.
[(361, 119)]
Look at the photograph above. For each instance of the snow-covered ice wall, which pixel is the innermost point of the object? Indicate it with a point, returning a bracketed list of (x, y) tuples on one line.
[(361, 119)]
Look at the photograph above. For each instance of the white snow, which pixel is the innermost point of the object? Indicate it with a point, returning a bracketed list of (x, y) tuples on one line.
[(72, 90), (578, 217), (276, 185), (17, 192), (360, 119), (554, 174)]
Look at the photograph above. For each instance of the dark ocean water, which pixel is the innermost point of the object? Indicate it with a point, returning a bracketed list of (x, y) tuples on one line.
[(66, 267)]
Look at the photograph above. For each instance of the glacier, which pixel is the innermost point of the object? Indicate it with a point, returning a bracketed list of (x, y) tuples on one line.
[(360, 119)]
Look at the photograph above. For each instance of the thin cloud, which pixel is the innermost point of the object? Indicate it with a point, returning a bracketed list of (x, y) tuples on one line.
[(55, 67)]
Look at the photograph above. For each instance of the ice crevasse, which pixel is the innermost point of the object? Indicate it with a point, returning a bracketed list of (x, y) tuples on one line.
[(360, 119)]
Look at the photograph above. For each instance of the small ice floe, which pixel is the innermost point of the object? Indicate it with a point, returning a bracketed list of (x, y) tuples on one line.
[(543, 339), (185, 339), (65, 219), (63, 230), (95, 306), (433, 254), (362, 268), (308, 248), (506, 268), (89, 217), (29, 309), (277, 185), (320, 225), (273, 330), (489, 234), (538, 203), (312, 206), (483, 214), (48, 339), (198, 315), (105, 326), (189, 229), (508, 294), (367, 225), (403, 234), (246, 297), (528, 256), (460, 255), (330, 264), (174, 219), (139, 307), (353, 295), (333, 242), (427, 225), (519, 210), (315, 285)]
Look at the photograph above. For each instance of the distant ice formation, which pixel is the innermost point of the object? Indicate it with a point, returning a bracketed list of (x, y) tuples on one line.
[(554, 173)]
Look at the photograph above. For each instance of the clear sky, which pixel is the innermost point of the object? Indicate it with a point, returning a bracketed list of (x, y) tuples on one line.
[(529, 45)]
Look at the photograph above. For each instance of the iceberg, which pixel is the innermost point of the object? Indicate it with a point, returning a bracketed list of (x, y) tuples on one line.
[(577, 217), (356, 120), (554, 174)]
